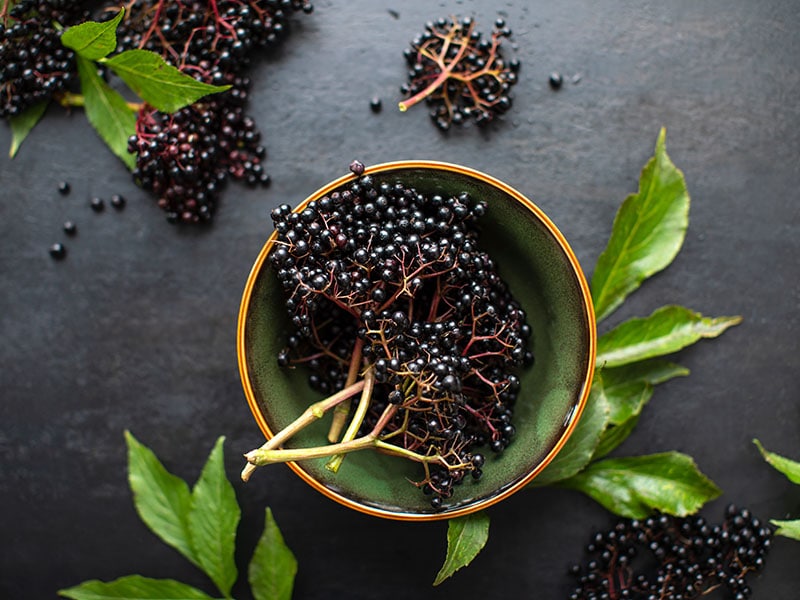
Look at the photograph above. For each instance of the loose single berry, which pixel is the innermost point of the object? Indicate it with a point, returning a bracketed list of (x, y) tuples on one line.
[(376, 104), (117, 201), (357, 168), (97, 204), (58, 251), (556, 80), (63, 188), (70, 228)]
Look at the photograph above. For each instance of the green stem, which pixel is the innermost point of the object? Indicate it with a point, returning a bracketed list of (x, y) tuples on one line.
[(313, 413), (67, 99), (267, 456), (341, 411), (358, 418)]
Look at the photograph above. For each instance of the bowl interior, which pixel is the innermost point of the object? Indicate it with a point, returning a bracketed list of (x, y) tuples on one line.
[(546, 279)]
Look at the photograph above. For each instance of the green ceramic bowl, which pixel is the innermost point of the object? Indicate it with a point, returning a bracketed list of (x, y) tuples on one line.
[(544, 275)]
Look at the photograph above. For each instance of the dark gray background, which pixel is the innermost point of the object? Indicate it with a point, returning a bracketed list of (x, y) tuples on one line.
[(136, 328)]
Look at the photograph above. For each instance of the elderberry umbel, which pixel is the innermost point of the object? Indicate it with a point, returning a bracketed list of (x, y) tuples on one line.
[(390, 294), (461, 75), (673, 558), (33, 64), (186, 157)]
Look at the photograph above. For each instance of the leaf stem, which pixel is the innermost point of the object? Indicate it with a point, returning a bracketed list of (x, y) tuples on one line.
[(67, 99), (313, 413)]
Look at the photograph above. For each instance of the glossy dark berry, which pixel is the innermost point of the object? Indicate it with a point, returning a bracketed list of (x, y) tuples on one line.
[(375, 104), (118, 201), (58, 251), (97, 204), (402, 274), (476, 86), (63, 188), (556, 80), (70, 228)]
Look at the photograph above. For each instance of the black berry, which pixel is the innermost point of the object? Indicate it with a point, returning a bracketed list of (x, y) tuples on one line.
[(58, 251), (97, 204), (117, 201), (70, 228), (376, 105), (63, 188), (556, 80)]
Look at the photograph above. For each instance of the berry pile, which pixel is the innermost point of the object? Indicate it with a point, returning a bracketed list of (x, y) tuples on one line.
[(382, 278), (185, 158), (671, 558), (33, 63), (461, 75)]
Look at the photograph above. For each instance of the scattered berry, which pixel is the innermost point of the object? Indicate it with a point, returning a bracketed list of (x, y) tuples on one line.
[(375, 104), (97, 204), (357, 168), (70, 228), (63, 188), (118, 201), (58, 251), (665, 557), (459, 74), (556, 80)]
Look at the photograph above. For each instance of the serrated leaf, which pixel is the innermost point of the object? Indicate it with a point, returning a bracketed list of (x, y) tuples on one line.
[(159, 84), (23, 123), (466, 537), (93, 40), (134, 587), (789, 529), (162, 500), (213, 518), (637, 486), (581, 445), (647, 234), (788, 467), (665, 331), (273, 566), (107, 111)]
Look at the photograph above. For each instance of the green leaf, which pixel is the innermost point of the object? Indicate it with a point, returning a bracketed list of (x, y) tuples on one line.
[(107, 111), (466, 537), (614, 435), (213, 518), (653, 371), (789, 529), (162, 500), (159, 84), (134, 587), (647, 234), (581, 445), (23, 123), (636, 486), (273, 566), (786, 466), (93, 40), (667, 330)]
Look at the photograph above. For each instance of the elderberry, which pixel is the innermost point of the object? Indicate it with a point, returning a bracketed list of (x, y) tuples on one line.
[(461, 75), (673, 557), (401, 275)]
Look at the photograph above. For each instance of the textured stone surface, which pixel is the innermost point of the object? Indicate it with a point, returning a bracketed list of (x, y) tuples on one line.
[(135, 329)]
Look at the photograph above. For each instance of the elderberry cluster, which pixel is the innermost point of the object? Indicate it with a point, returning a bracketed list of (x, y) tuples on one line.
[(185, 158), (672, 558), (461, 75), (400, 275), (33, 63)]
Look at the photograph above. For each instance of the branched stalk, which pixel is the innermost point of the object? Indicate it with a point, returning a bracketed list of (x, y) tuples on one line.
[(267, 456), (341, 411), (358, 418), (313, 413)]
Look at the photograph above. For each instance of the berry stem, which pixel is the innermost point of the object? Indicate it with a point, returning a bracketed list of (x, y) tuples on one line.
[(358, 418), (341, 411), (67, 99), (446, 72), (263, 456), (313, 413)]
